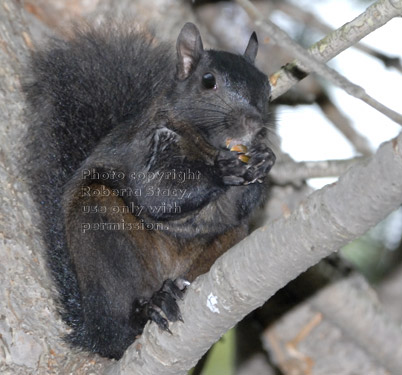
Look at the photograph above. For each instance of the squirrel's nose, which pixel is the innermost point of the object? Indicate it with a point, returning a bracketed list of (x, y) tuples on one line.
[(251, 123)]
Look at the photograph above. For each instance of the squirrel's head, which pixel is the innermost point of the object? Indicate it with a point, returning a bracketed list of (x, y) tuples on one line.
[(221, 93)]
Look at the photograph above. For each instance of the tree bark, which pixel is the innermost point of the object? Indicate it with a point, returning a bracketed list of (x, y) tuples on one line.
[(30, 330), (332, 332)]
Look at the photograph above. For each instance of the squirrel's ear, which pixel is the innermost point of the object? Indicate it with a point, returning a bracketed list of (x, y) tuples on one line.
[(252, 48), (189, 49)]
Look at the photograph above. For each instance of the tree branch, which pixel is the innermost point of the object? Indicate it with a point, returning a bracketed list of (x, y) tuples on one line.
[(238, 283), (390, 291), (292, 172), (312, 20), (359, 336), (313, 59), (28, 343), (343, 124), (363, 320)]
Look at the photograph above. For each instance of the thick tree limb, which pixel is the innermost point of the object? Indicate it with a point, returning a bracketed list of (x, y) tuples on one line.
[(353, 306), (28, 343), (239, 282), (359, 337), (390, 293), (313, 59)]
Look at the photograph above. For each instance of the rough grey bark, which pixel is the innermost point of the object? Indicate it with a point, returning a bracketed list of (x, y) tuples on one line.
[(390, 294), (30, 332), (354, 307), (165, 17), (307, 341), (28, 343), (352, 321)]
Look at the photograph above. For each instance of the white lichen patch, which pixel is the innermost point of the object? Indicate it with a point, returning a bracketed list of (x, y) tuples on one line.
[(212, 302)]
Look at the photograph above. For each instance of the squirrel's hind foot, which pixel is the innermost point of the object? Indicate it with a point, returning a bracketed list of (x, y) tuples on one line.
[(162, 307)]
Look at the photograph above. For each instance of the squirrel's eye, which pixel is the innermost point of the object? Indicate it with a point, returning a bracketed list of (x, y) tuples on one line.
[(208, 81)]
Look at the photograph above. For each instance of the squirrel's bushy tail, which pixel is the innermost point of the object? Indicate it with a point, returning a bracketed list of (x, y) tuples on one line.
[(78, 91), (84, 87)]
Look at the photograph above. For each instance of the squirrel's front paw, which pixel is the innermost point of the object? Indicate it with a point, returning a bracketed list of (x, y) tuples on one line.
[(241, 167), (231, 167), (162, 301), (261, 159)]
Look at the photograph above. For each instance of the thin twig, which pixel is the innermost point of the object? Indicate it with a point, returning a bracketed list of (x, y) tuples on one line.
[(313, 59), (343, 124), (291, 171)]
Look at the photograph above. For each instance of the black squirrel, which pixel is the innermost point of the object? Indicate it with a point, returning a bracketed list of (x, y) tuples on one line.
[(146, 167)]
